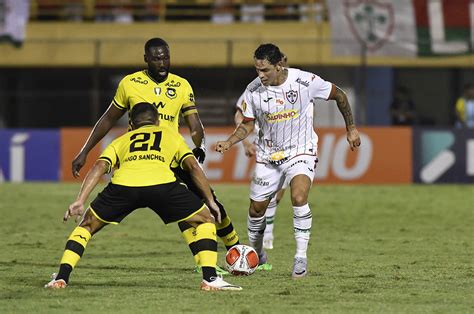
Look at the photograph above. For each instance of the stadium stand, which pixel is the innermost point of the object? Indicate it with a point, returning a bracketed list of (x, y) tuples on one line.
[(178, 10)]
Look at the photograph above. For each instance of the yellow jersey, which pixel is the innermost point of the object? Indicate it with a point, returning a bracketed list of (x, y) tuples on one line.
[(172, 97), (142, 157)]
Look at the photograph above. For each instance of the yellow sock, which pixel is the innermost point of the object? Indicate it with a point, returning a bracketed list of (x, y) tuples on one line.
[(227, 233), (206, 244), (75, 246)]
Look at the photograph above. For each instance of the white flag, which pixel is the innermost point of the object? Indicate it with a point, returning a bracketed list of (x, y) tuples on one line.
[(13, 18), (385, 27)]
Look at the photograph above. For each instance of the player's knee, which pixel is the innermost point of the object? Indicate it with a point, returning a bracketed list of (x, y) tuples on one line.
[(299, 199), (203, 216), (91, 223), (257, 209)]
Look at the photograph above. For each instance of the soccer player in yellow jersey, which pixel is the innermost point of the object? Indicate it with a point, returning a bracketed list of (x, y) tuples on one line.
[(172, 96), (143, 178)]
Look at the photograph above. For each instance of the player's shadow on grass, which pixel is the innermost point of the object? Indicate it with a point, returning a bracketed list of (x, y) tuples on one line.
[(126, 268)]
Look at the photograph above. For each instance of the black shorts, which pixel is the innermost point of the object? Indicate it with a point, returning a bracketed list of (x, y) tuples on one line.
[(171, 201), (185, 177)]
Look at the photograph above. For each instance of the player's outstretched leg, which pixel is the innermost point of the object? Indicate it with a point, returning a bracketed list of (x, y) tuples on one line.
[(75, 246)]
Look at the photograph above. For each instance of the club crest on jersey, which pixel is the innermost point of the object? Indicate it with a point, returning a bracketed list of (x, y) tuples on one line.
[(171, 93), (292, 96), (157, 91)]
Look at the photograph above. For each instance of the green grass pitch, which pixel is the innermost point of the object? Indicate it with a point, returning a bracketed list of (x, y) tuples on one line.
[(374, 249)]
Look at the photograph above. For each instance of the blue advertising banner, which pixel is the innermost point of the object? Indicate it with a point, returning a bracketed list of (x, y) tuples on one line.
[(443, 155), (29, 155)]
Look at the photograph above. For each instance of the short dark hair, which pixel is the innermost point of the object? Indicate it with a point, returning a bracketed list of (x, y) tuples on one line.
[(155, 42), (142, 114), (268, 52)]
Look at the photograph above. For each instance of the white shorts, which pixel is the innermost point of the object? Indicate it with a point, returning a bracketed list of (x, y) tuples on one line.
[(268, 178)]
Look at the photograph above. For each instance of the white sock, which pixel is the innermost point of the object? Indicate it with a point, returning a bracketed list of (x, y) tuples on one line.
[(270, 217), (255, 229), (302, 220)]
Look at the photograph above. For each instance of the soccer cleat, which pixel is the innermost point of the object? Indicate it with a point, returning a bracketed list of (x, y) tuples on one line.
[(219, 270), (265, 267), (262, 262), (56, 284), (218, 284), (268, 244), (300, 268)]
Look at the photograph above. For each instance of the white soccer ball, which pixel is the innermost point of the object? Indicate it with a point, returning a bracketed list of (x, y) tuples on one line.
[(241, 260)]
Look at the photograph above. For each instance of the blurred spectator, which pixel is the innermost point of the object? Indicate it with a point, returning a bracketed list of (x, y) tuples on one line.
[(73, 11), (148, 12), (465, 108), (311, 12), (281, 12), (402, 109), (222, 12), (252, 11), (119, 12)]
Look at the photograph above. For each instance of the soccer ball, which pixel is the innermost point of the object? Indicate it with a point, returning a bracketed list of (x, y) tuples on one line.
[(241, 260)]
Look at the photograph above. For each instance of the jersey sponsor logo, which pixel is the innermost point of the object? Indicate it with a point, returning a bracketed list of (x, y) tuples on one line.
[(172, 83), (260, 181), (166, 117), (280, 102), (278, 158), (282, 116), (292, 96), (159, 105), (171, 93), (268, 99), (298, 162), (255, 87), (300, 81), (191, 97), (139, 80), (244, 106), (157, 91)]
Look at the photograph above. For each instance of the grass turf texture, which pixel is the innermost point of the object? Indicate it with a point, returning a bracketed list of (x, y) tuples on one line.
[(374, 249)]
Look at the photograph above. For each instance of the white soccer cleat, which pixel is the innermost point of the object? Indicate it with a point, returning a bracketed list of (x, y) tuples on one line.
[(56, 284), (300, 268), (218, 284)]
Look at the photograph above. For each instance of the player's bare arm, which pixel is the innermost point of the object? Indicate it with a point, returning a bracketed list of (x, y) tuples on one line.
[(240, 133), (103, 125), (342, 102), (197, 134), (249, 147), (90, 181), (199, 178)]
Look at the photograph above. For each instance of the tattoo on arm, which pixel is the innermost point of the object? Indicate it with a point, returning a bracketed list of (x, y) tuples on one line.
[(343, 105), (241, 132)]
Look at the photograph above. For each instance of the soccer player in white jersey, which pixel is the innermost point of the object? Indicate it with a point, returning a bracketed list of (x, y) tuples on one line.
[(250, 151), (281, 102)]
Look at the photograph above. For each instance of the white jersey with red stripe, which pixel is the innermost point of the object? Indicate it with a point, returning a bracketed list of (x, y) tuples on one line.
[(284, 114)]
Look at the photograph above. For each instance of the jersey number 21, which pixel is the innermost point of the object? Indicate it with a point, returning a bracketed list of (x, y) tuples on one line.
[(140, 142)]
